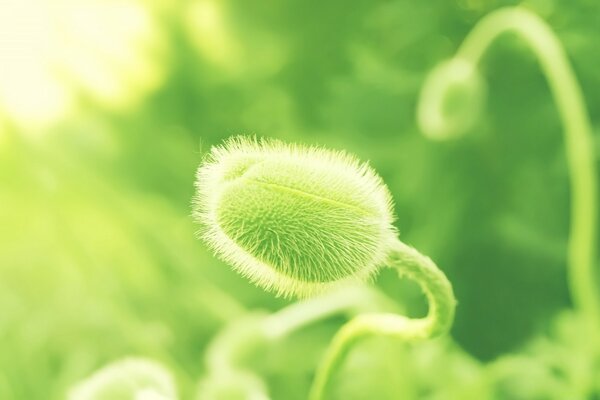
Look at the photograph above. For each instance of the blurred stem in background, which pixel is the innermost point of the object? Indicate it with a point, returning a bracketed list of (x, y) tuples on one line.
[(461, 74), (130, 378), (243, 337)]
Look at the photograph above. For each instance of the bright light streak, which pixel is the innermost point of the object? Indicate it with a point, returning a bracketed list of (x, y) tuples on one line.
[(54, 52)]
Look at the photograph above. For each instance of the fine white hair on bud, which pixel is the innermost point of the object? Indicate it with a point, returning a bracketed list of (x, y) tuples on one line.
[(293, 219)]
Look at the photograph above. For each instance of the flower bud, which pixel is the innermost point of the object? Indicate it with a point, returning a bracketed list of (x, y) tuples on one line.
[(293, 219)]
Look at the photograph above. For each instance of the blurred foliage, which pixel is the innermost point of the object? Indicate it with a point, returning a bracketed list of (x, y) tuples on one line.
[(106, 112)]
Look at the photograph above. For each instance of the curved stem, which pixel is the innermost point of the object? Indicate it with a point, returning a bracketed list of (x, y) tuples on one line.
[(578, 138), (435, 285), (350, 300), (246, 334)]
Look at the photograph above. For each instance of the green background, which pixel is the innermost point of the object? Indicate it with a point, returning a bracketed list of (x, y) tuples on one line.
[(98, 255)]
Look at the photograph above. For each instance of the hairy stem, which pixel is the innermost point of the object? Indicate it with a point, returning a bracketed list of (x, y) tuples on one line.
[(435, 285), (578, 138)]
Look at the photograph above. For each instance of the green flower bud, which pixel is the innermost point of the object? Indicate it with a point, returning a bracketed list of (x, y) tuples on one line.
[(293, 219)]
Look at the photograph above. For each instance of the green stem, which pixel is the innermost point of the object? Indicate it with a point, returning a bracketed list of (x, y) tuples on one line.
[(435, 285), (578, 138), (225, 354), (246, 334), (351, 300)]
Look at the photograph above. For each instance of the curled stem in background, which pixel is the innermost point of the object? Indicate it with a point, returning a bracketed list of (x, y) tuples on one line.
[(575, 120), (299, 220)]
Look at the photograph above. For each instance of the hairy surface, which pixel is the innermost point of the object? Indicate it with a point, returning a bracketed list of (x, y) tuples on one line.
[(293, 219)]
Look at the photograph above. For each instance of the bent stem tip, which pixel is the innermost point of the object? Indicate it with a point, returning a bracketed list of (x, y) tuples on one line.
[(442, 303), (568, 96)]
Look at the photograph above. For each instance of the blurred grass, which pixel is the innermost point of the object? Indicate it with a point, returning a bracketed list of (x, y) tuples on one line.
[(98, 258)]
